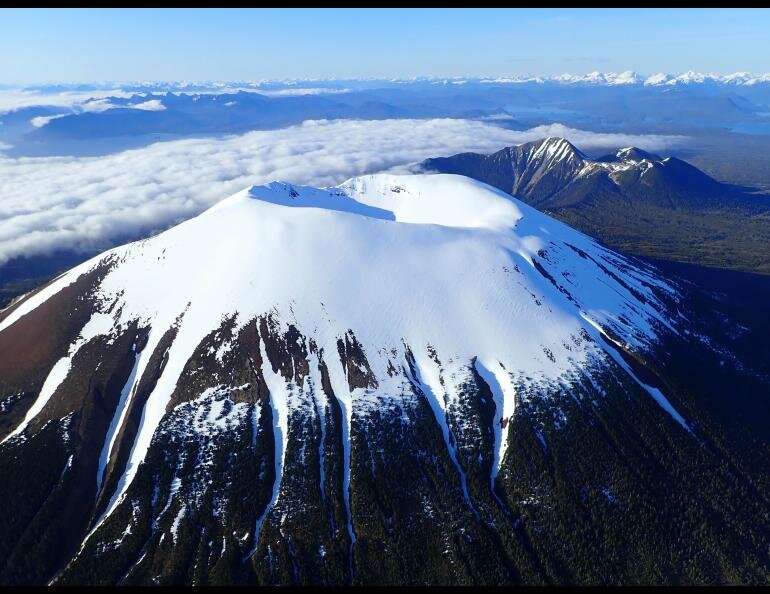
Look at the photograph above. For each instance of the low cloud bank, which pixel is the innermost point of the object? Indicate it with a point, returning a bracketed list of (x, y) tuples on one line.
[(84, 204)]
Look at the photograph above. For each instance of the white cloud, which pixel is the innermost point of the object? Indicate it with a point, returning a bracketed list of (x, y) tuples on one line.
[(104, 104), (89, 203), (41, 121), (151, 105), (11, 99), (95, 105)]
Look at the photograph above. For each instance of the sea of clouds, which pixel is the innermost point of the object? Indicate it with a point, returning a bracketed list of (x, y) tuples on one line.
[(89, 203)]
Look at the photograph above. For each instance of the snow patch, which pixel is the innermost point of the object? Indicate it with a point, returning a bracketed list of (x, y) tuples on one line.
[(504, 397), (278, 394)]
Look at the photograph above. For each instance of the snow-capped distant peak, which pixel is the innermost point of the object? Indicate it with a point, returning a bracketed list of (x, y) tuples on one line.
[(630, 78)]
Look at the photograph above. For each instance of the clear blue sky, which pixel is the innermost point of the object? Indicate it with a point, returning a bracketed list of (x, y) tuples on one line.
[(47, 45)]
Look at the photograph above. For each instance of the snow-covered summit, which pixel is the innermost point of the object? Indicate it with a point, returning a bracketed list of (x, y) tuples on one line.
[(430, 273), (451, 201), (628, 77)]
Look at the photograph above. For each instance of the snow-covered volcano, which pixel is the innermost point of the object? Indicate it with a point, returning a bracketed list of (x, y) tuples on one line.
[(310, 322), (439, 264)]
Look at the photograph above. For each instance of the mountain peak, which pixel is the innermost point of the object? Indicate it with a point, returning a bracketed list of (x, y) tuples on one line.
[(633, 153), (230, 399), (552, 173), (555, 148), (558, 141), (456, 268), (281, 193), (446, 200)]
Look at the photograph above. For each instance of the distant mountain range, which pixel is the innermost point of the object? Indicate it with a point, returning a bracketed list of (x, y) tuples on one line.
[(627, 77), (109, 124), (116, 117), (632, 200)]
